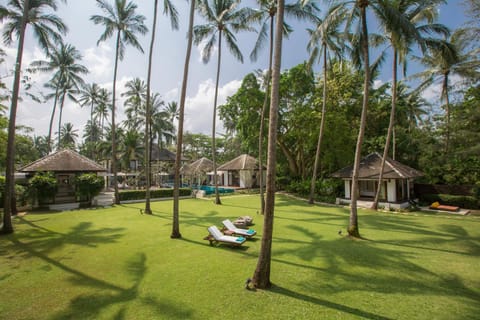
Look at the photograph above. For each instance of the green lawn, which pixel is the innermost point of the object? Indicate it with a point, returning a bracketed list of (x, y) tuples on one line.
[(115, 263)]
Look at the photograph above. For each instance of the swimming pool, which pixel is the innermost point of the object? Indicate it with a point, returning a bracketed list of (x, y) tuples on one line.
[(211, 189)]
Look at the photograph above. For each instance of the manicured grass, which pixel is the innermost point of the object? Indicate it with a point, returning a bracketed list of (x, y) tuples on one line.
[(115, 263)]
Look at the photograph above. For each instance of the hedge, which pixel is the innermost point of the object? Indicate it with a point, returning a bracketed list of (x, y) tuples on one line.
[(158, 193), (467, 202)]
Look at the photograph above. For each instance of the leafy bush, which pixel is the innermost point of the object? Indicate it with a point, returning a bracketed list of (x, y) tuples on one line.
[(326, 190), (20, 193), (88, 185), (467, 202), (159, 193), (42, 186)]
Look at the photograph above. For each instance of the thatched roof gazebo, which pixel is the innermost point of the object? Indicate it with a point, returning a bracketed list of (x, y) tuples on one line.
[(200, 166), (65, 160), (242, 162), (397, 184), (65, 164), (242, 171)]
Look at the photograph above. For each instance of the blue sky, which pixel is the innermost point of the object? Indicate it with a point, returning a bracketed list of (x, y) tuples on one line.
[(169, 57)]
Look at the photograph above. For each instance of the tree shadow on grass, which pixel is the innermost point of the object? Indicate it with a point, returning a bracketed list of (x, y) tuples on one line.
[(39, 241), (327, 304), (382, 270), (91, 306), (83, 234)]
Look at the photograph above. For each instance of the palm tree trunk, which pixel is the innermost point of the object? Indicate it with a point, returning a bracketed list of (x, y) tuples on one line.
[(148, 210), (353, 223), (178, 155), (60, 120), (322, 125), (261, 276), (214, 147), (447, 111), (92, 138), (51, 121), (389, 131), (114, 134), (9, 194), (262, 118)]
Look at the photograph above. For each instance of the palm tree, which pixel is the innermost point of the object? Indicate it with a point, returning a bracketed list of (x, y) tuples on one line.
[(68, 90), (90, 95), (131, 147), (178, 157), (48, 29), (325, 39), (359, 12), (448, 58), (63, 62), (169, 9), (68, 135), (261, 276), (223, 17), (135, 102), (265, 15), (103, 109), (402, 34), (40, 144), (123, 19)]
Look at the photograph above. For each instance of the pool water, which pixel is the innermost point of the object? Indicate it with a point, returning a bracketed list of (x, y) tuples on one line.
[(210, 189)]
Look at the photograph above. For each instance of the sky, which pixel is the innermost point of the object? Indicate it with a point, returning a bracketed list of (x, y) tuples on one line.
[(168, 61)]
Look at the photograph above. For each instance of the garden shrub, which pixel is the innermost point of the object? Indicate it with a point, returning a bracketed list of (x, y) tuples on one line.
[(158, 193), (43, 187), (88, 185), (20, 193), (326, 190)]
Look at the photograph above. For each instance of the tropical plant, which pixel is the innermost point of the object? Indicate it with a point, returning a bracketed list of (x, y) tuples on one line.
[(88, 185), (223, 19), (122, 19), (449, 58), (135, 102), (68, 136), (63, 61), (48, 29), (90, 95), (42, 186)]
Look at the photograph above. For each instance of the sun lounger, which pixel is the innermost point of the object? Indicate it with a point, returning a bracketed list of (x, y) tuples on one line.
[(443, 207), (217, 236), (240, 232)]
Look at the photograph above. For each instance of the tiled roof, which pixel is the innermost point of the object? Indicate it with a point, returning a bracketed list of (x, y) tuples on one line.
[(370, 169), (63, 160)]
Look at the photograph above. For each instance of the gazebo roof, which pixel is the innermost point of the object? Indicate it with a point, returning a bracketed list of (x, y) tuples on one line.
[(370, 169), (243, 162), (65, 160), (163, 155), (202, 165)]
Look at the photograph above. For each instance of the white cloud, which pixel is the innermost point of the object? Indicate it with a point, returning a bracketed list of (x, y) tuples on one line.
[(99, 61), (199, 108), (172, 95), (377, 84)]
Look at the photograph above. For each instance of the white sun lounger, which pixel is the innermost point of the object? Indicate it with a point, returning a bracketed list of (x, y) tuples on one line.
[(217, 236), (241, 232)]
